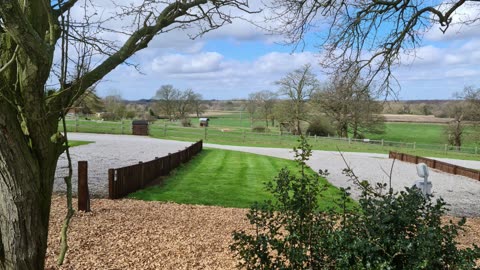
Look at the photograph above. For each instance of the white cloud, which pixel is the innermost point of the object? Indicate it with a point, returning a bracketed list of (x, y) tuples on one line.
[(194, 63), (209, 73), (465, 23)]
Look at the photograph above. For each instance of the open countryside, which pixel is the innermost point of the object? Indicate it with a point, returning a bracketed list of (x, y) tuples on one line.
[(236, 134)]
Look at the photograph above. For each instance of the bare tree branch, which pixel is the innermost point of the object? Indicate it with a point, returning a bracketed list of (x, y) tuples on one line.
[(373, 35)]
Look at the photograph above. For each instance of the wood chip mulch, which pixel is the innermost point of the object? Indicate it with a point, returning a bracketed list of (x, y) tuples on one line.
[(131, 234)]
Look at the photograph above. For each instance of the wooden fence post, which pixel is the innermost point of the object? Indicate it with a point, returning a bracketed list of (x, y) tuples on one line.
[(142, 174), (111, 184), (165, 130), (76, 123), (83, 194)]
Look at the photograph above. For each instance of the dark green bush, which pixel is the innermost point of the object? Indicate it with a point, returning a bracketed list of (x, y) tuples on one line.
[(186, 122), (320, 126), (385, 231), (259, 129)]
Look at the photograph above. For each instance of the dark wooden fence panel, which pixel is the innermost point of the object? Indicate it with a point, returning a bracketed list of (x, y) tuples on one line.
[(122, 181), (438, 165)]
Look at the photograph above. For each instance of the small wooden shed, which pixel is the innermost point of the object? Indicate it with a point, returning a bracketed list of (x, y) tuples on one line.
[(203, 121), (140, 127)]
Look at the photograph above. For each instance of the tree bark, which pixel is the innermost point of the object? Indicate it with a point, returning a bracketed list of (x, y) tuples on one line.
[(26, 181)]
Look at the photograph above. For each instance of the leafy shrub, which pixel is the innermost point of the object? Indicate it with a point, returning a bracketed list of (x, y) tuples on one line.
[(108, 116), (186, 122), (320, 127), (386, 230), (259, 129)]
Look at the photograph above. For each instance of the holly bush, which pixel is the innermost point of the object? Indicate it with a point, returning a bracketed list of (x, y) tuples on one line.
[(386, 230)]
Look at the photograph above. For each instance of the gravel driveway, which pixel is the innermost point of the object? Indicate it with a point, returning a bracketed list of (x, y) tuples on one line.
[(111, 151)]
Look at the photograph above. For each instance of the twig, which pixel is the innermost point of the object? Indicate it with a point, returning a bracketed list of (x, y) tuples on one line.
[(70, 211), (2, 69)]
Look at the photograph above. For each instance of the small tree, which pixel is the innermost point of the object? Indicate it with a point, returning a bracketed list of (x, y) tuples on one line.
[(167, 98), (349, 103), (298, 86), (115, 106), (465, 108), (265, 100)]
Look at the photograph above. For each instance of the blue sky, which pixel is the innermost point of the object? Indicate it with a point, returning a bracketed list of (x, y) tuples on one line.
[(238, 59)]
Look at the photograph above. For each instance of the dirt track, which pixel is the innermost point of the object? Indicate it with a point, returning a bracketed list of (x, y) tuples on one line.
[(129, 234)]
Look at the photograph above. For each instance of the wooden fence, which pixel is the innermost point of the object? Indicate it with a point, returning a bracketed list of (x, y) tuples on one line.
[(436, 164), (123, 181)]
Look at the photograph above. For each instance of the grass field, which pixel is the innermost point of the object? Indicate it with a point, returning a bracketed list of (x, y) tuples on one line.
[(225, 178), (412, 138), (421, 133)]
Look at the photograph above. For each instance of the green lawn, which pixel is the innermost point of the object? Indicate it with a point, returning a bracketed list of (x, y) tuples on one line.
[(420, 133), (229, 130), (77, 143), (225, 178)]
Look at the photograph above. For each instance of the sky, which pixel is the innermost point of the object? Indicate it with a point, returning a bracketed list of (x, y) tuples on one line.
[(239, 59)]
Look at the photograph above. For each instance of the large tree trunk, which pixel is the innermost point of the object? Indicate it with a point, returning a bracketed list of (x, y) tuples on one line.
[(26, 180)]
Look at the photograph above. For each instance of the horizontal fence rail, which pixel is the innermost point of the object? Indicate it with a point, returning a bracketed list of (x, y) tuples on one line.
[(436, 164), (122, 181)]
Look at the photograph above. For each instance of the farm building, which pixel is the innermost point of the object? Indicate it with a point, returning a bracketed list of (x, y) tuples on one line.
[(203, 121), (140, 127)]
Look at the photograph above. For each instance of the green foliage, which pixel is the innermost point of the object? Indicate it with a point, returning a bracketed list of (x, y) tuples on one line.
[(186, 122), (320, 127), (261, 129), (388, 230)]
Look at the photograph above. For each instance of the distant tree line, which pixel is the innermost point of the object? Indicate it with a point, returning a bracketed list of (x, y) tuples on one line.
[(173, 104), (344, 106)]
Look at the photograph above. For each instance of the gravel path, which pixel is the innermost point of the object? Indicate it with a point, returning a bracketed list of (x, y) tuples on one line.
[(111, 151)]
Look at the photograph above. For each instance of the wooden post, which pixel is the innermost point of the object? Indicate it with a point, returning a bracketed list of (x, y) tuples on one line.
[(122, 127), (382, 143), (244, 135), (83, 194), (445, 149), (205, 136), (76, 123), (414, 145), (142, 174), (165, 130), (111, 184)]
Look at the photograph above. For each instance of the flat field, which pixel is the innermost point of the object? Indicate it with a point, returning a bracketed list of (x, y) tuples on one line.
[(421, 139)]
